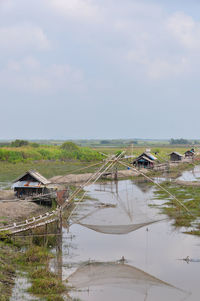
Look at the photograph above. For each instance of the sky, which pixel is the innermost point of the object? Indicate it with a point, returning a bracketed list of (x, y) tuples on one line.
[(94, 69)]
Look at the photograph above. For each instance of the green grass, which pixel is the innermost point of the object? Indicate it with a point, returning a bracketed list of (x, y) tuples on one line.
[(46, 283), (49, 167), (35, 262), (162, 151), (46, 152), (7, 270), (189, 196), (10, 171)]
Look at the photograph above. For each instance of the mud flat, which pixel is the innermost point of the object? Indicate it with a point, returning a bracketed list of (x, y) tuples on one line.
[(6, 195), (11, 211), (188, 183), (80, 178)]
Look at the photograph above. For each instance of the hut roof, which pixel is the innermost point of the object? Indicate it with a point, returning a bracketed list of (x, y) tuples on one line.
[(189, 151), (143, 157), (149, 155), (176, 153), (35, 175)]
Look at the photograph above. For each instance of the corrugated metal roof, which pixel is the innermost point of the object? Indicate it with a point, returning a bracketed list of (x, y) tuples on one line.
[(150, 156), (144, 158), (36, 175), (27, 184)]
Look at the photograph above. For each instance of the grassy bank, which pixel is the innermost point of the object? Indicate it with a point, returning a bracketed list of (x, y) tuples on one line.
[(44, 283), (189, 197), (34, 263), (7, 269), (30, 256)]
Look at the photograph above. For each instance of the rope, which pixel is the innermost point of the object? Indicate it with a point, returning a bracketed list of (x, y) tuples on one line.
[(113, 162), (151, 180), (87, 182), (79, 169)]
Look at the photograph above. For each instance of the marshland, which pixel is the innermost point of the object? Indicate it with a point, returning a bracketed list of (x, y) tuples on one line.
[(116, 239)]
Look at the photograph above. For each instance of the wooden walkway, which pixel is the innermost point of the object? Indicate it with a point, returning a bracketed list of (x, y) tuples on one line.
[(32, 223)]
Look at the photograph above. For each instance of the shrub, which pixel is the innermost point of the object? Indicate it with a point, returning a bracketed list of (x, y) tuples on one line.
[(19, 143), (69, 146)]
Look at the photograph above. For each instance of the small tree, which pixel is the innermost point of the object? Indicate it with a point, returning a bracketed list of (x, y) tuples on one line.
[(69, 146), (19, 143)]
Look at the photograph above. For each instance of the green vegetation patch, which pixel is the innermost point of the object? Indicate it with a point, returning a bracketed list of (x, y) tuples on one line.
[(189, 196), (30, 152), (7, 270), (45, 283), (35, 256)]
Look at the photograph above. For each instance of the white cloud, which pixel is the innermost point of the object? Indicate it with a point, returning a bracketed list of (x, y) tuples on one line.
[(23, 37), (159, 69), (140, 36), (185, 30), (30, 76), (84, 9), (170, 50)]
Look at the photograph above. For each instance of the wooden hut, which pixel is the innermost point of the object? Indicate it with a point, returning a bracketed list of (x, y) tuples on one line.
[(31, 183), (145, 160), (189, 153), (175, 156)]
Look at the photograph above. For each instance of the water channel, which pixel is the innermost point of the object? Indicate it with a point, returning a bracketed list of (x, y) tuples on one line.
[(142, 264), (120, 248)]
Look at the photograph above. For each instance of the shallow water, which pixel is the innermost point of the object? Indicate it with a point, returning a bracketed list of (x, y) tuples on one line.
[(191, 175), (19, 292), (155, 250)]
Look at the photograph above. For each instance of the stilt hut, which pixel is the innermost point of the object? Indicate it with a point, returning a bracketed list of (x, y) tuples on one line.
[(145, 160), (189, 153), (175, 156), (31, 183)]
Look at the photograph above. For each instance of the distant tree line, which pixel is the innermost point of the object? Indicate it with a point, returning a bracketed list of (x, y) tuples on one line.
[(179, 141), (19, 143)]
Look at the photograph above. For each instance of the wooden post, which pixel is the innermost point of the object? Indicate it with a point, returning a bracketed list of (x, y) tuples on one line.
[(116, 174), (45, 235), (59, 246)]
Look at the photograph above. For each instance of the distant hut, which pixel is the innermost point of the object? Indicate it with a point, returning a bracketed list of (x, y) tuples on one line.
[(175, 156), (189, 153), (31, 183), (145, 160)]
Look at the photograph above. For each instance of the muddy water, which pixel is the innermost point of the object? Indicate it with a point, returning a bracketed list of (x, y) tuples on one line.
[(151, 269)]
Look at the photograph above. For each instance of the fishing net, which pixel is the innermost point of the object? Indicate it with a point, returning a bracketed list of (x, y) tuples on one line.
[(113, 273), (116, 229), (124, 210)]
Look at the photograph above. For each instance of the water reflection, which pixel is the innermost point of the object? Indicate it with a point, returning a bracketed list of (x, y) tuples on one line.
[(154, 252), (113, 274), (191, 175), (151, 271)]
